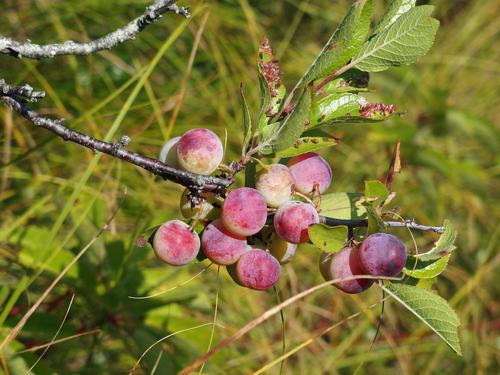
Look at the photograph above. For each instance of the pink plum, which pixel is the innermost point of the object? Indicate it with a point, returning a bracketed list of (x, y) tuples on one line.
[(168, 153), (200, 151), (175, 244), (257, 269), (344, 264), (292, 220), (309, 170), (383, 254), (244, 212), (275, 184), (221, 246)]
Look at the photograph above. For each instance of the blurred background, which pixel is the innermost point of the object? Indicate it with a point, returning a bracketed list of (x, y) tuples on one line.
[(54, 196)]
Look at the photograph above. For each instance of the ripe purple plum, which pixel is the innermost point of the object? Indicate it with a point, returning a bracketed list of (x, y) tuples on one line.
[(310, 170), (292, 220), (175, 244), (280, 249), (344, 264), (275, 184), (383, 254), (221, 246), (206, 210), (257, 269), (168, 153), (244, 212), (200, 151)]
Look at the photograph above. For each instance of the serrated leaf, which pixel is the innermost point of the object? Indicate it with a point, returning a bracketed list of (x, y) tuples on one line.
[(425, 269), (443, 246), (333, 106), (376, 192), (343, 206), (292, 127), (430, 308), (307, 144), (344, 43), (402, 43), (248, 128), (395, 10), (330, 239), (375, 222)]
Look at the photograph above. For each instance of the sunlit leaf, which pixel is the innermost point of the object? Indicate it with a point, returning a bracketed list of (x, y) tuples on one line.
[(443, 246), (330, 239), (425, 269), (395, 10), (307, 144), (343, 206)]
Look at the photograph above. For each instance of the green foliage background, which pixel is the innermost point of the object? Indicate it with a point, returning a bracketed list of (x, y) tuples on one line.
[(55, 196)]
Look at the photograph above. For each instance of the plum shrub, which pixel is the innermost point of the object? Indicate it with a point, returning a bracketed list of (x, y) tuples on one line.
[(292, 221), (344, 264), (275, 184), (168, 153), (200, 151), (257, 269), (283, 251), (310, 170), (221, 246), (244, 211), (383, 254), (175, 244)]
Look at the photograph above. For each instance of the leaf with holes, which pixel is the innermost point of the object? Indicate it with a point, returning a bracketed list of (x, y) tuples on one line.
[(307, 144)]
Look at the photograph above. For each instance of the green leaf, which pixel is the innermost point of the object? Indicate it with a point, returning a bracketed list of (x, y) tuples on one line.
[(248, 128), (344, 43), (307, 144), (395, 10), (443, 246), (403, 43), (333, 106), (375, 222), (291, 128), (353, 120), (354, 81), (430, 308), (376, 192), (330, 239), (343, 206), (425, 269)]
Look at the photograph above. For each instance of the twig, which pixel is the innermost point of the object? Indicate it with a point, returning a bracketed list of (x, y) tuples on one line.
[(37, 51), (25, 91), (192, 181), (364, 223)]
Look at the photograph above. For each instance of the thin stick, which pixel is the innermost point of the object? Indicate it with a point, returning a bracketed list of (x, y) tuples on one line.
[(64, 339), (36, 51)]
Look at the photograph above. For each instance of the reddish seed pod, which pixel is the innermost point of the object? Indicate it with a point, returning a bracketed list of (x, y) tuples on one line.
[(244, 212), (257, 269), (344, 264), (310, 170), (221, 246), (175, 244), (293, 219), (383, 254), (200, 151)]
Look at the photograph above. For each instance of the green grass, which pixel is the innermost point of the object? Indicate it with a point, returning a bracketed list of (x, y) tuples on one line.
[(55, 196)]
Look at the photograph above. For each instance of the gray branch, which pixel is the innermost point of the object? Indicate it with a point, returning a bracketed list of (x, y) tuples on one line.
[(364, 223), (196, 183), (25, 91), (37, 51)]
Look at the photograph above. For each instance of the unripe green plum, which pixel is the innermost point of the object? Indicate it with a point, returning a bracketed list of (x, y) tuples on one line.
[(344, 264), (244, 212), (175, 244), (258, 270), (275, 184), (168, 153), (292, 220), (200, 151), (280, 249), (221, 246), (206, 210), (310, 170), (383, 254)]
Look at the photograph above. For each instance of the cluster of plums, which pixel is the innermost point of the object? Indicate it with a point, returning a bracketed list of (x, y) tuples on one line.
[(237, 233)]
